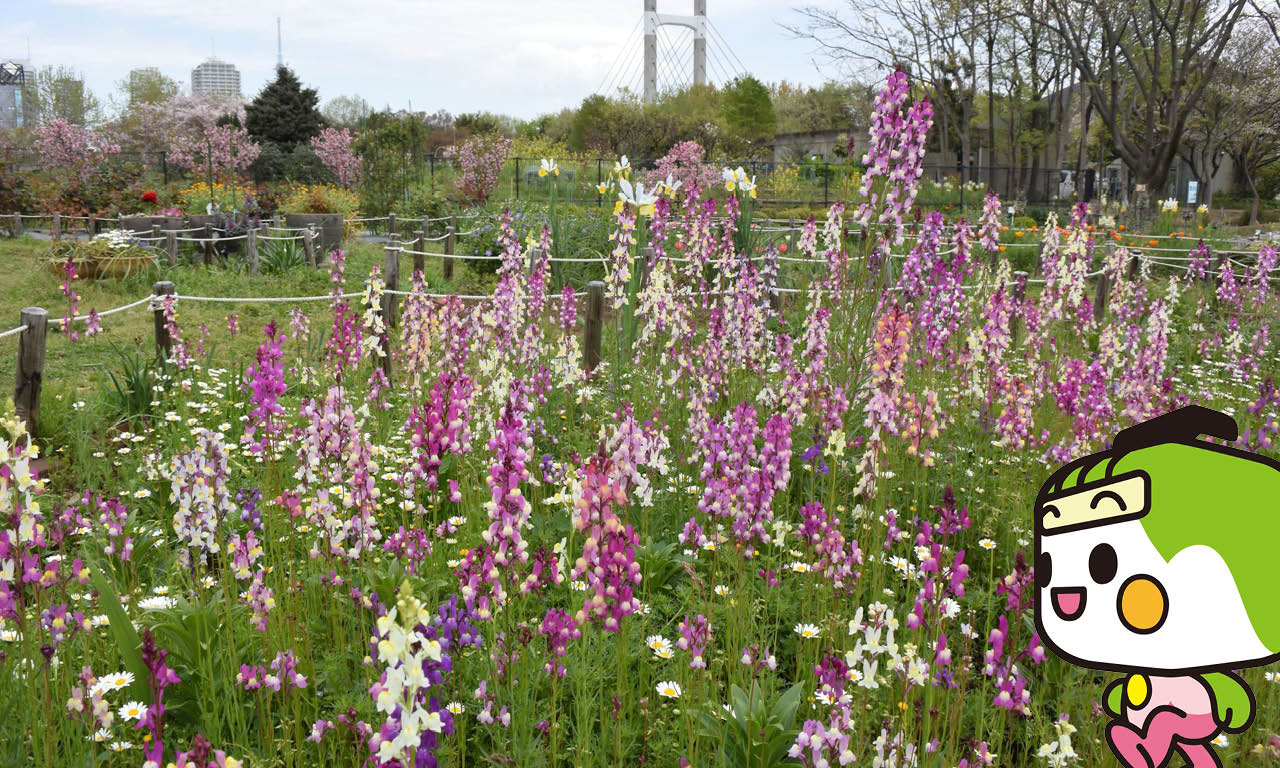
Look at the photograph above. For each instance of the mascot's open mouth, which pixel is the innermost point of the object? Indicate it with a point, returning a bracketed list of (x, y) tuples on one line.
[(1068, 602)]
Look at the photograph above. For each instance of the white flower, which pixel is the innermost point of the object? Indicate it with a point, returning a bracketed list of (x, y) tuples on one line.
[(548, 167), (133, 710), (807, 631), (721, 590), (455, 707), (622, 166), (657, 643), (157, 603), (636, 195), (987, 544), (669, 689)]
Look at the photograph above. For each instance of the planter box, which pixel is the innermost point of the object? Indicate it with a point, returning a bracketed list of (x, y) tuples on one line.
[(329, 225), (142, 224)]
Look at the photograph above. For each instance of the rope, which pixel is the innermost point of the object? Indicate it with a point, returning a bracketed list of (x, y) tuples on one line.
[(13, 331), (269, 299)]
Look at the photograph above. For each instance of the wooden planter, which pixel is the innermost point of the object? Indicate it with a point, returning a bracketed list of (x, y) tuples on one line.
[(329, 225)]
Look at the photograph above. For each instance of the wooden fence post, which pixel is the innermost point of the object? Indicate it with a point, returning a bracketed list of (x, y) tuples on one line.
[(450, 244), (171, 245), (1100, 298), (57, 226), (646, 265), (17, 224), (164, 344), (420, 235), (392, 228), (1220, 265), (1020, 296), (91, 228), (208, 244), (251, 250), (26, 391), (309, 246), (155, 235), (426, 226), (391, 282), (595, 321)]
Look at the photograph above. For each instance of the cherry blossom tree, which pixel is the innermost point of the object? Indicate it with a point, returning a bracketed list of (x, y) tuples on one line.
[(334, 148)]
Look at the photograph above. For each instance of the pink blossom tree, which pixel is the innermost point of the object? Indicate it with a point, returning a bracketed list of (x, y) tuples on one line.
[(684, 163), (220, 151), (334, 148), (480, 160), (72, 148)]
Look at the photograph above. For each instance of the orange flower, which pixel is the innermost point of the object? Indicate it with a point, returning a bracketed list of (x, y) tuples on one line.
[(1003, 247), (1121, 227), (1153, 243), (1017, 234)]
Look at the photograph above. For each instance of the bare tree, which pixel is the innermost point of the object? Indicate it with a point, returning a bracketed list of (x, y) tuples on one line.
[(1146, 68), (1238, 109), (936, 43)]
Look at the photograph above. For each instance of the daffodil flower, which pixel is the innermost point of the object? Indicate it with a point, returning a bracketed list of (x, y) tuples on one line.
[(668, 186), (548, 167)]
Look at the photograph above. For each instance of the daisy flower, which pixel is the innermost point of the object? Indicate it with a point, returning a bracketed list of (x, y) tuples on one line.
[(132, 711), (455, 707), (669, 689), (987, 544), (807, 631)]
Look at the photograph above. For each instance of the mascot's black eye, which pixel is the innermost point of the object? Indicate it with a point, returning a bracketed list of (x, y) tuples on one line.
[(1102, 563), (1044, 569)]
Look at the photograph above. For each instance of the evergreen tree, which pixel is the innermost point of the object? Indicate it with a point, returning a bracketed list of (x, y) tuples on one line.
[(748, 109), (284, 113)]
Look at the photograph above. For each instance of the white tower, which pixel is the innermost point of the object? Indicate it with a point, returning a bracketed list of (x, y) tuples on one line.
[(652, 20)]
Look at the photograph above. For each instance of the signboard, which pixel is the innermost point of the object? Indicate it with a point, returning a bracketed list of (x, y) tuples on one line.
[(1193, 192)]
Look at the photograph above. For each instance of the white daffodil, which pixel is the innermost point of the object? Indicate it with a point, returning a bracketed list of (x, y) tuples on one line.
[(548, 167), (638, 196), (748, 185), (622, 167)]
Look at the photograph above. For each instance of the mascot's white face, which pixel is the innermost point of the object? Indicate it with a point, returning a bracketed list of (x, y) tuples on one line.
[(1107, 599)]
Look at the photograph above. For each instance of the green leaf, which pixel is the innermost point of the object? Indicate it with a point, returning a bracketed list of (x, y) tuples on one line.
[(785, 709), (121, 628)]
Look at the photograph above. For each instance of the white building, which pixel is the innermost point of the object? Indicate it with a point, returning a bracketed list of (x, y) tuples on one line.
[(215, 76)]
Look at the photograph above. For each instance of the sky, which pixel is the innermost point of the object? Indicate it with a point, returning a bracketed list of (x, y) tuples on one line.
[(517, 57)]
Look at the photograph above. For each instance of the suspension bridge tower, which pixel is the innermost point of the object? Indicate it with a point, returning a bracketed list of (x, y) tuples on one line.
[(652, 21)]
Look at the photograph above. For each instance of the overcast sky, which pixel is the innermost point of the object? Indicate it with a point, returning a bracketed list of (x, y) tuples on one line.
[(520, 57)]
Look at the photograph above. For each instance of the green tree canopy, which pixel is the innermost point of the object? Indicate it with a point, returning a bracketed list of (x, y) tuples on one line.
[(748, 109), (284, 112)]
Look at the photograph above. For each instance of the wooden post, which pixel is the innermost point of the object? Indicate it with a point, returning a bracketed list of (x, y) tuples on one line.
[(155, 234), (309, 246), (91, 228), (26, 391), (595, 321), (1100, 298), (251, 250), (1220, 265), (391, 281), (535, 253), (420, 236), (208, 244), (171, 245), (450, 243), (17, 224), (57, 226), (1020, 296), (646, 264), (1134, 260), (164, 344), (392, 228)]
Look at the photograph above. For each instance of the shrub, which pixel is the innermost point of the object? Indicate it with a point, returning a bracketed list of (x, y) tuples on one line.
[(320, 198)]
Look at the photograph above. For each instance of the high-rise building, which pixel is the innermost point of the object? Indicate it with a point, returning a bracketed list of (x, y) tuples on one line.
[(12, 74), (217, 77)]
